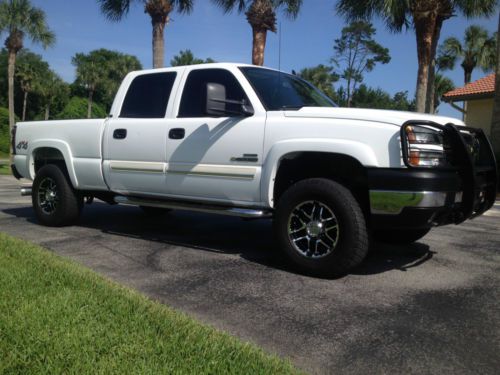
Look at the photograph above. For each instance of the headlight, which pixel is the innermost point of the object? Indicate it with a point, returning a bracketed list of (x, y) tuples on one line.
[(423, 146)]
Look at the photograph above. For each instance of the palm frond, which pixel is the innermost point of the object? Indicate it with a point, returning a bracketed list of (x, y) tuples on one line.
[(476, 8), (184, 6), (114, 10), (291, 7), (228, 5)]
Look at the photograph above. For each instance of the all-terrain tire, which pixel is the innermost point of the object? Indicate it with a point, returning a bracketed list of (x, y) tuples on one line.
[(400, 236), (351, 245), (54, 200)]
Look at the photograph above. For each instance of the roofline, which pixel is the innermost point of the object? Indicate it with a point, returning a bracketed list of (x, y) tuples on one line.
[(208, 65), (464, 97)]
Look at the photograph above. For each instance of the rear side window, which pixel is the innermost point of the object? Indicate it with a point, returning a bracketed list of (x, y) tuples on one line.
[(194, 97), (148, 95)]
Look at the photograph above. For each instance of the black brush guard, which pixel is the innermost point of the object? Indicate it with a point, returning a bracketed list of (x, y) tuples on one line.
[(471, 156)]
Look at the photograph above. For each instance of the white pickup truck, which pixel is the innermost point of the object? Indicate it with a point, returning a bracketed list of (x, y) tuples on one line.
[(258, 143)]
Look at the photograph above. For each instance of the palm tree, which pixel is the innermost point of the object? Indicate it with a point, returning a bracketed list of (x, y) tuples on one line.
[(477, 51), (89, 74), (18, 18), (495, 121), (50, 87), (158, 10), (261, 15), (442, 85), (30, 68), (427, 18)]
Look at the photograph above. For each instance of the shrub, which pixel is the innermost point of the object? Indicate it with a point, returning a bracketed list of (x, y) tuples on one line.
[(4, 131)]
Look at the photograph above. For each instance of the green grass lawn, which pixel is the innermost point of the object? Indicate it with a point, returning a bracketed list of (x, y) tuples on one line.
[(4, 169), (57, 317)]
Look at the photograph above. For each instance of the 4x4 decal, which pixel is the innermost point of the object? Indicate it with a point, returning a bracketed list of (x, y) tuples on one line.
[(23, 145)]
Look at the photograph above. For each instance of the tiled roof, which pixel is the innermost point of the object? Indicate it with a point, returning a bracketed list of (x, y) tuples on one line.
[(481, 87)]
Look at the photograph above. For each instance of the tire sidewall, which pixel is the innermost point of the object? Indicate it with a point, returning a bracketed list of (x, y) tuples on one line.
[(69, 205), (331, 197)]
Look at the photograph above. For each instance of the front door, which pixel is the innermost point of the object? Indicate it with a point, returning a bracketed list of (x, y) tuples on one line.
[(215, 158)]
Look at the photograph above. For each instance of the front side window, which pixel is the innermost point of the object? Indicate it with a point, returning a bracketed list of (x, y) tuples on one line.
[(148, 95), (194, 97), (279, 91)]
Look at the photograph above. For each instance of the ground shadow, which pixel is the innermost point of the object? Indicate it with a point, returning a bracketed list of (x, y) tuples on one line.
[(250, 239)]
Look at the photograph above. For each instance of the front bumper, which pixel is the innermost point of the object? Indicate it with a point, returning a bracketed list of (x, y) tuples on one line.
[(407, 198)]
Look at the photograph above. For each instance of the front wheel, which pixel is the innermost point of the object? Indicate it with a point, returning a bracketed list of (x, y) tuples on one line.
[(54, 200), (321, 228)]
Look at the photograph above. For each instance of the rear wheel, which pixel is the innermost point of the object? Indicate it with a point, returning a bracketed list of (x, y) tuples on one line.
[(54, 200), (400, 236), (321, 228)]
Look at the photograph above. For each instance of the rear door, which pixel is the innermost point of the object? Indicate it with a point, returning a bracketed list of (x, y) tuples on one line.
[(135, 140)]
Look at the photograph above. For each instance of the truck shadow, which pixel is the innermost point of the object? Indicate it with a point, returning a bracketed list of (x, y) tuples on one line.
[(250, 239)]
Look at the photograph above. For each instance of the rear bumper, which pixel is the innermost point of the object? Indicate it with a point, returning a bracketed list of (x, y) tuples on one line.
[(424, 197)]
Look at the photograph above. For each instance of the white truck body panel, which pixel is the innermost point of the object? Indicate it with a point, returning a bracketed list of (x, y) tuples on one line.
[(203, 165)]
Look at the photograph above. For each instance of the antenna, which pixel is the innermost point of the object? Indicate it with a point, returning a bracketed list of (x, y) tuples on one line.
[(279, 47)]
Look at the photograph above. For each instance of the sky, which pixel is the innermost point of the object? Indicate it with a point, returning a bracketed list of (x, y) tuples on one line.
[(305, 42)]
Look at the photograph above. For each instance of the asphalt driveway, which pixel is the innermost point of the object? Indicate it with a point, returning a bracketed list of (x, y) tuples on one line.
[(431, 307)]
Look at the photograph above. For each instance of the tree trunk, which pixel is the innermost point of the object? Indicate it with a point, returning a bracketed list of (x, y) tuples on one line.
[(12, 115), (424, 31), (25, 101), (467, 75), (47, 112), (259, 45), (431, 86), (158, 43), (89, 104), (495, 120)]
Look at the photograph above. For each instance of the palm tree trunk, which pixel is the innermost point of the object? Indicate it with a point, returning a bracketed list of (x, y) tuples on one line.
[(47, 112), (25, 101), (467, 75), (158, 43), (11, 71), (424, 31), (495, 121), (89, 104), (431, 86), (259, 45)]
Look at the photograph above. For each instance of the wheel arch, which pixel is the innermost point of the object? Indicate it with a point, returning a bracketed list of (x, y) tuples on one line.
[(51, 152), (345, 165)]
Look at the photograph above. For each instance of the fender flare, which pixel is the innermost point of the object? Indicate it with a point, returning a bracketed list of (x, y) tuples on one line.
[(60, 146), (357, 150)]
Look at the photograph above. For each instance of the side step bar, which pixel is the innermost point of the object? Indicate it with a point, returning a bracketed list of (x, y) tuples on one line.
[(26, 191), (198, 207)]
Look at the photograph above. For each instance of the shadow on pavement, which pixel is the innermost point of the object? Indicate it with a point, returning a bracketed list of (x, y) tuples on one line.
[(251, 239)]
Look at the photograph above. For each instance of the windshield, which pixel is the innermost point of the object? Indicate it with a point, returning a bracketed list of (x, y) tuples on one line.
[(279, 91)]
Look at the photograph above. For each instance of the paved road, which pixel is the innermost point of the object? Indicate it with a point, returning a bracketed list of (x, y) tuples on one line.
[(432, 307)]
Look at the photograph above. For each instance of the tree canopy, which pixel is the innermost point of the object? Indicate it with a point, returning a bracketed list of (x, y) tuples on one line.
[(357, 52), (478, 50), (186, 57)]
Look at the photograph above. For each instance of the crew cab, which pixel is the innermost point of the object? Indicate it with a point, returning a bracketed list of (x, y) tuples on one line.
[(254, 142)]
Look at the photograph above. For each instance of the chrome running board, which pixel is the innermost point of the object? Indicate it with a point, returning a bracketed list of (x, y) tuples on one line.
[(26, 191), (198, 207)]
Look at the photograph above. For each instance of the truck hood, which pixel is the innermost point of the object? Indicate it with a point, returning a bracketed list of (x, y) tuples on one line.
[(374, 115)]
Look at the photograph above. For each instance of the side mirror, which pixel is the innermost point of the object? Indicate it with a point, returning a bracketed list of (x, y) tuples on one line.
[(218, 105)]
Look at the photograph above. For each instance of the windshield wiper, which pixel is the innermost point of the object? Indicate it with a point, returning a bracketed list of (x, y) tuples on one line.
[(292, 107)]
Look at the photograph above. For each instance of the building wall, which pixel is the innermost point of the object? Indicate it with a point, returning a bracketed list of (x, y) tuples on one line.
[(479, 114)]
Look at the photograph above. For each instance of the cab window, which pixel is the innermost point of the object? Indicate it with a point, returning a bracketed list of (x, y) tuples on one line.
[(194, 97)]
